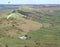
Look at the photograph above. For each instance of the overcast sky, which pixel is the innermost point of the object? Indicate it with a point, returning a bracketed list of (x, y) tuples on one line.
[(30, 1)]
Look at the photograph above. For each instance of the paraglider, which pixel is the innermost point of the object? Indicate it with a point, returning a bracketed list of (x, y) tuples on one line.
[(11, 15), (9, 2), (14, 14)]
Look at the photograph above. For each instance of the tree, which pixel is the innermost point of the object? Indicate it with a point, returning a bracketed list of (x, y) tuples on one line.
[(6, 45)]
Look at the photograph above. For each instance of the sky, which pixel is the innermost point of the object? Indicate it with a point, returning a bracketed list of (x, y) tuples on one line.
[(30, 1)]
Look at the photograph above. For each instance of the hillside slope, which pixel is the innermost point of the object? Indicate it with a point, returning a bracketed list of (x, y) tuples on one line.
[(41, 26), (17, 25)]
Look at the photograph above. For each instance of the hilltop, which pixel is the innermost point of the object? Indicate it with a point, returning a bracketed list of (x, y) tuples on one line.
[(18, 25)]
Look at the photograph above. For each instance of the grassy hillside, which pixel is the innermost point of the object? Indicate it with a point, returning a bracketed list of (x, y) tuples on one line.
[(42, 28)]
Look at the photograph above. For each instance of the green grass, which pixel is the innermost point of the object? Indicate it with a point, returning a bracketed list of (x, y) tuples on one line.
[(44, 36), (14, 42)]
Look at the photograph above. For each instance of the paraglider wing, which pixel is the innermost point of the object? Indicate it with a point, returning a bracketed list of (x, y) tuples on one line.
[(8, 2), (13, 14)]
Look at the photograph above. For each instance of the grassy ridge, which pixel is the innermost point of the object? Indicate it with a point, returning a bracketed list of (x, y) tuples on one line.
[(46, 36)]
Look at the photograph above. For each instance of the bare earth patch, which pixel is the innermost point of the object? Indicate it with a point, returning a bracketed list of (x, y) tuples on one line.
[(28, 27)]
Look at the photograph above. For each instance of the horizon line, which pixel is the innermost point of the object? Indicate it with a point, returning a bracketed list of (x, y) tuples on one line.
[(29, 4)]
